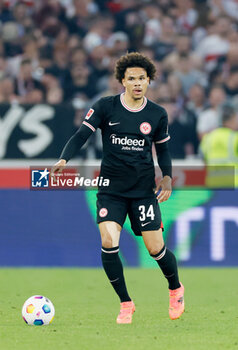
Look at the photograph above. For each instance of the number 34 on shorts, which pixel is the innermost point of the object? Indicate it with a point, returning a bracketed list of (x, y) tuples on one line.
[(144, 213)]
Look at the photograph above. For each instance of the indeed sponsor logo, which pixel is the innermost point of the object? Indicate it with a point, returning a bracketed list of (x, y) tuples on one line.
[(125, 141)]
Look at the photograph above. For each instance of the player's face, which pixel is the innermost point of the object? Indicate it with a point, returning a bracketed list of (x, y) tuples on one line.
[(135, 82)]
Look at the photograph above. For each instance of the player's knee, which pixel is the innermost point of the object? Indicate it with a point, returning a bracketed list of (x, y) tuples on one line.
[(107, 241), (155, 249)]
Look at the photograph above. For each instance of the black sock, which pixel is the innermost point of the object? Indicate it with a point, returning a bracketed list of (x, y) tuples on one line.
[(168, 264), (114, 270)]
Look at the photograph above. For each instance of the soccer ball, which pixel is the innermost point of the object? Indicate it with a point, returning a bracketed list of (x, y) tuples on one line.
[(38, 311)]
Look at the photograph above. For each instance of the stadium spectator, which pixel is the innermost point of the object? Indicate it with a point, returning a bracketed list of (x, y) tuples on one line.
[(33, 97), (220, 151), (74, 41), (182, 48), (100, 30), (54, 95), (5, 13), (164, 92), (166, 42), (189, 122), (99, 60), (209, 119), (78, 56), (188, 75), (52, 86), (62, 37), (182, 131), (3, 67), (224, 65), (216, 43), (151, 14), (82, 12), (117, 43), (114, 88), (21, 17), (29, 89), (231, 83), (186, 15), (196, 99), (176, 88), (7, 94), (10, 37), (224, 7), (60, 69), (45, 59), (231, 58), (49, 17), (30, 50), (82, 82)]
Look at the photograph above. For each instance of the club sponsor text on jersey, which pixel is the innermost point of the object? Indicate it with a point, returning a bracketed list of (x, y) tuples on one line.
[(128, 143)]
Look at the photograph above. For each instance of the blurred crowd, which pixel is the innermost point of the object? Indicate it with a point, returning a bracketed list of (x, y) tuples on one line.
[(56, 51)]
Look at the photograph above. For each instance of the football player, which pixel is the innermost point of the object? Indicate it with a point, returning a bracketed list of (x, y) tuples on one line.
[(130, 125)]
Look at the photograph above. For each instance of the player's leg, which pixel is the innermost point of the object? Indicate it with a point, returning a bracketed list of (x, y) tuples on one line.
[(163, 256), (110, 235), (114, 209), (167, 262), (145, 218)]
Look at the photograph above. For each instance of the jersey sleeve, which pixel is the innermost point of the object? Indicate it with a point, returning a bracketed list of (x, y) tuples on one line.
[(94, 117), (92, 121), (162, 131)]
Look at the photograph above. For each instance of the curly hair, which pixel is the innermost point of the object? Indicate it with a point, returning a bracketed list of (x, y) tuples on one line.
[(134, 59)]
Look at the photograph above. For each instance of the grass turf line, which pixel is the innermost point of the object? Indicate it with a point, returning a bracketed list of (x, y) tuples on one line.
[(86, 310)]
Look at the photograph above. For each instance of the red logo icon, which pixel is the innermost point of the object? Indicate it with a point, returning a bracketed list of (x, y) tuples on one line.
[(103, 212), (145, 128), (89, 114)]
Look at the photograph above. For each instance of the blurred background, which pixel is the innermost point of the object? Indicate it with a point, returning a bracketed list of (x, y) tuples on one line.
[(57, 58)]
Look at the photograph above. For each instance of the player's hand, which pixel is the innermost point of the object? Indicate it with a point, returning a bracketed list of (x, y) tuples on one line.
[(58, 167), (165, 185)]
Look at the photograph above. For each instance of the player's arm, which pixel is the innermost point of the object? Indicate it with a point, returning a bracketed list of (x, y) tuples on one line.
[(91, 122), (72, 146), (165, 164), (164, 159)]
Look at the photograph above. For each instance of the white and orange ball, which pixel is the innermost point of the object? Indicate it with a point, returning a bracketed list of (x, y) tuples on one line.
[(38, 311)]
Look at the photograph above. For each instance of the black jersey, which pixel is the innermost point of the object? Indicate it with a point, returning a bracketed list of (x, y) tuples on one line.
[(128, 135)]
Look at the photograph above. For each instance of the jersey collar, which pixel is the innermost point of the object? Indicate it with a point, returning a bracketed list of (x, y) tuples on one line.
[(130, 109)]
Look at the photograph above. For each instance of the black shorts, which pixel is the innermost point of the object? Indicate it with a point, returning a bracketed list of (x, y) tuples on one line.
[(144, 213)]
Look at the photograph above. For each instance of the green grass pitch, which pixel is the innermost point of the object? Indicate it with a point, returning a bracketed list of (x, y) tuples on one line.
[(86, 309)]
